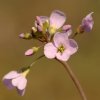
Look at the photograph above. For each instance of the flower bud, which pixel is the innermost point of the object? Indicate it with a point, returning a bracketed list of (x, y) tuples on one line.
[(87, 24), (67, 29), (45, 26), (25, 36), (31, 51)]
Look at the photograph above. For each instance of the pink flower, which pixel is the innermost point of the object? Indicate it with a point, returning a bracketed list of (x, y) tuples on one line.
[(87, 23), (56, 21), (17, 80), (61, 48)]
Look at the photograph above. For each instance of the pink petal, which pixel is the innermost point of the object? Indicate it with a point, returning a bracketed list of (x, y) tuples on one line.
[(50, 50), (15, 81), (67, 29), (8, 83), (11, 75), (22, 84), (72, 47), (19, 82), (29, 52), (60, 39), (63, 56), (57, 19)]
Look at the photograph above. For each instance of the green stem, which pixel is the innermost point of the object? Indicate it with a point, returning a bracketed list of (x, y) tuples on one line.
[(71, 74), (28, 67), (74, 79), (75, 34), (36, 60)]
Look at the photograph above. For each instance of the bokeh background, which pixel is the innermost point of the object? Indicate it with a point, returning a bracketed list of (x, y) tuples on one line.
[(48, 80)]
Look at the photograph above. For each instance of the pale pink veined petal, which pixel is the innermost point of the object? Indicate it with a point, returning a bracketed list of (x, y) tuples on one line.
[(50, 50), (60, 39), (57, 19), (15, 81), (20, 82), (72, 47), (12, 74)]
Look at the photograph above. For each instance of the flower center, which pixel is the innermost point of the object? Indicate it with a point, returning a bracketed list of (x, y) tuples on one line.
[(61, 49)]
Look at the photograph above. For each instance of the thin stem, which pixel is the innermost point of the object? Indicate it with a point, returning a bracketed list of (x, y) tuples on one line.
[(36, 60), (74, 79), (75, 34)]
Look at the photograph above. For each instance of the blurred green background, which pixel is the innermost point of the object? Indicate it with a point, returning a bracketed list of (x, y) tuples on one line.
[(48, 79)]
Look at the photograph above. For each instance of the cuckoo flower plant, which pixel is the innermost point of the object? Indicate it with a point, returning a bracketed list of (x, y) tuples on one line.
[(58, 43)]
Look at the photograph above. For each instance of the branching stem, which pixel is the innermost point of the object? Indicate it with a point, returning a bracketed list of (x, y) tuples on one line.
[(71, 74)]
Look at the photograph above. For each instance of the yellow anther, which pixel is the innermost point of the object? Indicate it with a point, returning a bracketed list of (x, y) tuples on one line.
[(61, 49)]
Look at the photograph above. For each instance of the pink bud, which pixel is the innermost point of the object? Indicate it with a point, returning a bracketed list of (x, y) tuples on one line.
[(29, 52), (87, 24), (21, 35)]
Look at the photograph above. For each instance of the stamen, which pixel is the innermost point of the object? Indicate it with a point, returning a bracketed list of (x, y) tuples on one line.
[(61, 49)]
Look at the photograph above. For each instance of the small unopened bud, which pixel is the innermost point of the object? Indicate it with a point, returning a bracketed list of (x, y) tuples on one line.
[(34, 29), (67, 29), (45, 26), (87, 24), (25, 35), (21, 35), (31, 51)]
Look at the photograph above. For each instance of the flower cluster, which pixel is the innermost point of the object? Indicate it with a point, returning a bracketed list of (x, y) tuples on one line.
[(58, 42), (56, 36)]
